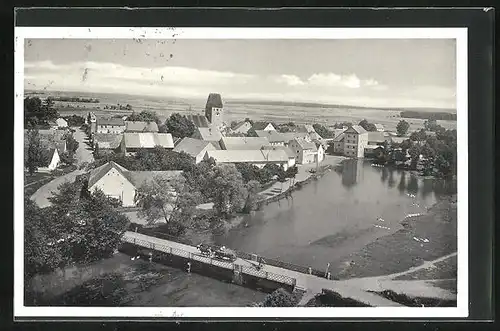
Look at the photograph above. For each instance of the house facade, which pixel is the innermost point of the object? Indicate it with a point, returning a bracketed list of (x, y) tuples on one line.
[(110, 125), (117, 182), (194, 147), (242, 127), (61, 123), (306, 151), (134, 141), (355, 140)]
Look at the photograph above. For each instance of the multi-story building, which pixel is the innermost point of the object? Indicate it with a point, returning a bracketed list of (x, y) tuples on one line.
[(214, 111), (355, 141)]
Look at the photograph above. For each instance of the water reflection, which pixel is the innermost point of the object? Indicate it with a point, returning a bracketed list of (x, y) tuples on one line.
[(412, 185), (334, 216), (402, 183), (352, 172)]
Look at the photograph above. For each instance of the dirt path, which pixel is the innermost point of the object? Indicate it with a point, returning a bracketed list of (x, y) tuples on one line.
[(414, 288), (84, 152), (40, 197)]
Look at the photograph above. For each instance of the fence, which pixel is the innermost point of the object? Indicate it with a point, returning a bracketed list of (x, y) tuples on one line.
[(207, 260), (241, 255)]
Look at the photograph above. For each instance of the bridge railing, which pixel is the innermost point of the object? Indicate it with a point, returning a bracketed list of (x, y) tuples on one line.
[(220, 263), (240, 254)]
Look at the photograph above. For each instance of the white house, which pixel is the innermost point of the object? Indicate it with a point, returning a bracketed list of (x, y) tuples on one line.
[(305, 151), (61, 123), (288, 151), (379, 127), (110, 125), (194, 147), (266, 126), (51, 141), (134, 141), (242, 127), (207, 134), (117, 182)]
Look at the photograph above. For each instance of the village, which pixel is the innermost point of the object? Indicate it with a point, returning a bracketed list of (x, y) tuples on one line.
[(169, 181)]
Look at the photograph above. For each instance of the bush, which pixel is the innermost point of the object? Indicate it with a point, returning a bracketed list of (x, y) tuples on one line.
[(173, 228)]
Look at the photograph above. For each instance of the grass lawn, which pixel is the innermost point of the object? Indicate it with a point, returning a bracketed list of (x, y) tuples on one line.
[(399, 251)]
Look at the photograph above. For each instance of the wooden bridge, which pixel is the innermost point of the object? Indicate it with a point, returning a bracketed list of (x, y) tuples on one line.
[(310, 283)]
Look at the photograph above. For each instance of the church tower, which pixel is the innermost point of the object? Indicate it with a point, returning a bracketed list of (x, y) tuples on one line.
[(214, 111)]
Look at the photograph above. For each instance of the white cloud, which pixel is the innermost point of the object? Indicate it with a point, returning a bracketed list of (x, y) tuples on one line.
[(188, 82), (334, 80), (290, 80)]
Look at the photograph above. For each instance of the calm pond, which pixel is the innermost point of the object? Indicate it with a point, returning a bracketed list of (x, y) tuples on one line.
[(328, 219)]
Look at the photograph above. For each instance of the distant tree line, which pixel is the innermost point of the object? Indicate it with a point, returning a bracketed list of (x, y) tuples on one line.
[(76, 99), (431, 154), (118, 107), (429, 115), (38, 113)]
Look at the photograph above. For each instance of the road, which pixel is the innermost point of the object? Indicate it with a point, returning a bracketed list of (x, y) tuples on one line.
[(84, 152), (40, 197)]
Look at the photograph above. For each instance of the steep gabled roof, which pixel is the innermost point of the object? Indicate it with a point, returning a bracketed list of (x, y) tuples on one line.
[(272, 135), (307, 145), (111, 121), (356, 129), (200, 121), (148, 140), (244, 143), (97, 173), (191, 146), (339, 137), (260, 125), (241, 124), (287, 150), (214, 100), (108, 140), (209, 134)]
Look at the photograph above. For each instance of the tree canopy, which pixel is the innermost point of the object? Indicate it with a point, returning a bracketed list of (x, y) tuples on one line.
[(402, 128), (368, 126), (279, 298), (227, 190), (144, 116), (37, 112), (77, 228), (179, 126), (323, 131)]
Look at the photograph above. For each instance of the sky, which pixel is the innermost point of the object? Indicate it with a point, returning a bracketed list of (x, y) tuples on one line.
[(371, 73)]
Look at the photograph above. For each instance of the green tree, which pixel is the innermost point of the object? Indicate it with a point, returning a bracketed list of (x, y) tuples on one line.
[(418, 136), (291, 173), (179, 126), (279, 298), (32, 161), (253, 188), (323, 131), (158, 198), (41, 255), (144, 116), (251, 133), (402, 127), (227, 190), (368, 126)]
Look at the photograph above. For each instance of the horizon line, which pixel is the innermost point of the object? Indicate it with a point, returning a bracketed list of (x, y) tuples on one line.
[(255, 101)]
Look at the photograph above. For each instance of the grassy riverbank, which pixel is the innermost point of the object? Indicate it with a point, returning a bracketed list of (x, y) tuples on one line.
[(119, 281), (400, 251)]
